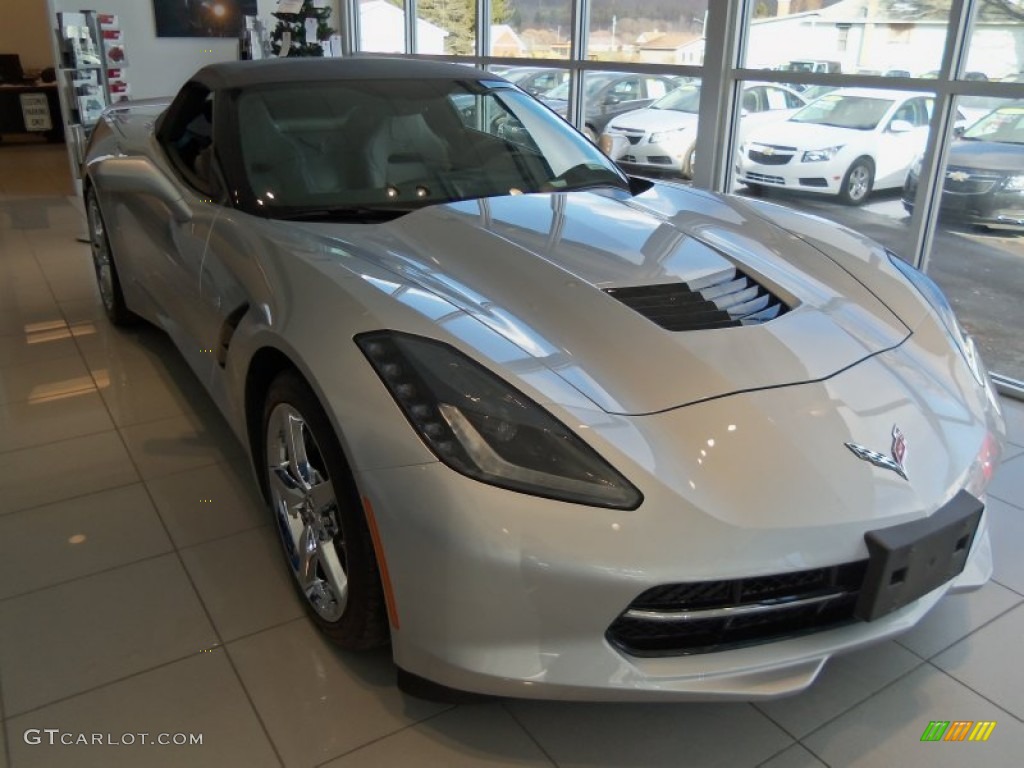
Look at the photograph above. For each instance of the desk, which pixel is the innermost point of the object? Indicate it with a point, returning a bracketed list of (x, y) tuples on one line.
[(11, 118)]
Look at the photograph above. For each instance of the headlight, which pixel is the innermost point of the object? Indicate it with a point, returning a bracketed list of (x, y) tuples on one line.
[(938, 301), (820, 155), (485, 429), (1014, 184), (657, 138)]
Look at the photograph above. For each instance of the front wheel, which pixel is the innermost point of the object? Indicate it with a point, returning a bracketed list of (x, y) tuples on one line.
[(107, 279), (689, 161), (319, 517), (858, 182)]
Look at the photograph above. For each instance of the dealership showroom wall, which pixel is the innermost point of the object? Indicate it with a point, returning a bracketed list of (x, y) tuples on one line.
[(142, 591)]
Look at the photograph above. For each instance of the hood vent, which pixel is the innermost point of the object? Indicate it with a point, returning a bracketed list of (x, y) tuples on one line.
[(721, 300)]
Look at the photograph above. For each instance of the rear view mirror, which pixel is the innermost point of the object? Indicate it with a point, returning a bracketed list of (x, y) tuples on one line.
[(137, 175)]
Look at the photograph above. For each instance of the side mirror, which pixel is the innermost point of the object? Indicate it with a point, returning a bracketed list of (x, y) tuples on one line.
[(901, 126), (612, 99), (137, 175)]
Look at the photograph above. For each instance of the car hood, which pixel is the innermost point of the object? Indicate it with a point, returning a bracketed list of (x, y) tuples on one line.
[(536, 269), (806, 135), (654, 120), (988, 156)]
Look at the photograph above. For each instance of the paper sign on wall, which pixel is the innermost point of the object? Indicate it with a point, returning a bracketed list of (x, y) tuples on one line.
[(310, 30), (36, 112)]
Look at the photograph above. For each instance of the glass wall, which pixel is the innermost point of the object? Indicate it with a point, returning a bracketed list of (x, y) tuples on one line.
[(531, 29), (446, 26), (839, 108), (888, 38), (382, 26), (977, 254)]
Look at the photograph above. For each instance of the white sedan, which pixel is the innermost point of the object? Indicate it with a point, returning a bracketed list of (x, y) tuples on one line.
[(663, 137), (847, 143)]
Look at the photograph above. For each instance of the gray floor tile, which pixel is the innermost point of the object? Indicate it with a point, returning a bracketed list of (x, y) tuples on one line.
[(179, 443), (1008, 484), (319, 703), (465, 737), (846, 680), (651, 735), (23, 425), (53, 472), (199, 695), (1006, 527), (797, 756), (45, 380), (956, 616), (70, 638), (209, 502), (987, 661), (137, 398), (48, 545), (886, 730), (244, 582), (3, 747), (22, 349)]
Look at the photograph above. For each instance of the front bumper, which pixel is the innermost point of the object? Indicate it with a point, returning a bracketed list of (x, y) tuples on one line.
[(996, 209), (486, 606), (822, 177)]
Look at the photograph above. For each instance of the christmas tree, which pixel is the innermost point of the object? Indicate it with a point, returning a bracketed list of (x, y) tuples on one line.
[(291, 29)]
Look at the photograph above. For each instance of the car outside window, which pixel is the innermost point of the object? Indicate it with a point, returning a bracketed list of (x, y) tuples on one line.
[(862, 113)]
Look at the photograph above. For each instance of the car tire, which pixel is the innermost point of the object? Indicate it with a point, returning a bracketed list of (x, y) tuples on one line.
[(319, 517), (689, 161), (858, 182), (754, 190), (107, 280)]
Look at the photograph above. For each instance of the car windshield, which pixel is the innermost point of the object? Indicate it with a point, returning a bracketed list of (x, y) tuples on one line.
[(1004, 125), (358, 150), (686, 98), (861, 113)]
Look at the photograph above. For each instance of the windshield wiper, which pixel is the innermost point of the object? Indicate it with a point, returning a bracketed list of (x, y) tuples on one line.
[(356, 213)]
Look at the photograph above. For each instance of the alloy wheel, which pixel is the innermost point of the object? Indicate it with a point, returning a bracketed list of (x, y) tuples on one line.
[(305, 506)]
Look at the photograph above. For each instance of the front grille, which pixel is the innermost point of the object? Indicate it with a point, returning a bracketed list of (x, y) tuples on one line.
[(722, 300), (762, 178), (708, 616), (771, 155), (659, 159), (964, 181), (634, 139)]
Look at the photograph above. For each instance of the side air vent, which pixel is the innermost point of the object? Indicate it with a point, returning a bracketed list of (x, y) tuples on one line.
[(721, 300)]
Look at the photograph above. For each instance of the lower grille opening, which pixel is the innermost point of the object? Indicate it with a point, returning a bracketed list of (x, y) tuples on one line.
[(709, 616)]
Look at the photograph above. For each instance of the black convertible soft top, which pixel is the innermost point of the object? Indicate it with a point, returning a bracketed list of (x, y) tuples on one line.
[(241, 74)]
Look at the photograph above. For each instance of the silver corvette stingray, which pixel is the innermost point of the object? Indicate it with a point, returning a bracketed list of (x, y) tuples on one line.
[(549, 430)]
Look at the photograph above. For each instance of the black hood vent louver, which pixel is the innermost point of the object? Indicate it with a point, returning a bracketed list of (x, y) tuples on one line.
[(722, 300)]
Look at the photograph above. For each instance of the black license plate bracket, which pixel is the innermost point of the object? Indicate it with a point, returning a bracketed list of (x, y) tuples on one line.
[(910, 560)]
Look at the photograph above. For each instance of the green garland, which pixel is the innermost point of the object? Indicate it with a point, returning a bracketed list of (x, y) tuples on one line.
[(295, 23)]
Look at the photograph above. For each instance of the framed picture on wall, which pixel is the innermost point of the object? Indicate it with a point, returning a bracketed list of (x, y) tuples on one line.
[(201, 18)]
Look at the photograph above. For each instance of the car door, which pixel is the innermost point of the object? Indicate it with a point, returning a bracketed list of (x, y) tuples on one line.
[(616, 98), (897, 147), (765, 104), (186, 138)]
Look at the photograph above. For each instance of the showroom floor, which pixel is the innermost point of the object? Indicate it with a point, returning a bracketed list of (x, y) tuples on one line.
[(141, 590)]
